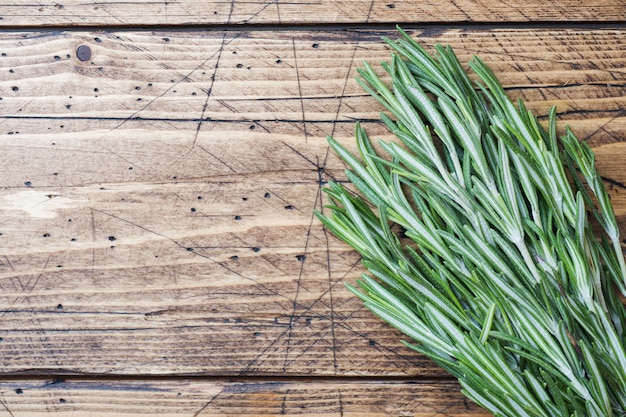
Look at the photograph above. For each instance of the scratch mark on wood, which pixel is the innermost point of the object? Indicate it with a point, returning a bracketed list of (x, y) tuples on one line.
[(283, 405), (6, 407), (301, 97), (464, 13), (181, 79), (205, 406), (330, 295), (300, 154), (345, 82), (303, 314), (210, 89), (196, 253), (221, 161), (278, 11), (293, 317), (263, 8), (340, 403), (230, 12), (369, 12)]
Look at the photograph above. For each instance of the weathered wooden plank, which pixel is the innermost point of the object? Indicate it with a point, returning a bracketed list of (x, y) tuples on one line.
[(156, 200), (145, 398), (194, 12), (294, 77)]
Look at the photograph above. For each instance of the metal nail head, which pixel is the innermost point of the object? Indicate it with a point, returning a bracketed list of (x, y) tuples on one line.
[(83, 53)]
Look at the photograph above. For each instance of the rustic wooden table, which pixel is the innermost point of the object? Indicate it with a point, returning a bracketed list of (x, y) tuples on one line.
[(160, 164)]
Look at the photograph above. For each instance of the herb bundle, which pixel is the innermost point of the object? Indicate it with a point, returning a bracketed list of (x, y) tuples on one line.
[(498, 274)]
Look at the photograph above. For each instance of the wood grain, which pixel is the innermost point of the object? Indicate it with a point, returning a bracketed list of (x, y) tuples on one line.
[(143, 398), (156, 201), (275, 12)]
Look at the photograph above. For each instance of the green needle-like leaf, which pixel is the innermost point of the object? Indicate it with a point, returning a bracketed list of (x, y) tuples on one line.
[(499, 276)]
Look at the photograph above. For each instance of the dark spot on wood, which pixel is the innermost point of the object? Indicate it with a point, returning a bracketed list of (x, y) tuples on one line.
[(15, 88), (46, 235), (256, 249), (279, 61), (234, 258), (239, 65), (12, 71), (28, 184), (166, 39), (62, 401), (73, 239), (60, 307), (189, 249), (391, 6), (83, 53), (252, 127), (193, 209), (112, 238), (97, 40), (372, 343), (137, 88), (68, 106), (19, 391), (244, 198), (57, 58), (289, 207), (301, 258), (315, 45), (237, 217), (267, 195)]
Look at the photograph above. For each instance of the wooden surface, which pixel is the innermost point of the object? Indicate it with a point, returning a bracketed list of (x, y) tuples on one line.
[(158, 252), (282, 12)]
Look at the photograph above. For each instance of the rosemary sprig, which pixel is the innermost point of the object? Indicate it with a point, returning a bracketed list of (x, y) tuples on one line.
[(501, 280)]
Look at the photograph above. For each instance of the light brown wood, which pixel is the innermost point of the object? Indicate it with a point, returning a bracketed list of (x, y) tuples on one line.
[(143, 398), (280, 12), (156, 214), (174, 235)]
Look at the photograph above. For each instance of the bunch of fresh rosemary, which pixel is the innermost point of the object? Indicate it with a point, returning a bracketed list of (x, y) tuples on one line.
[(498, 274)]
